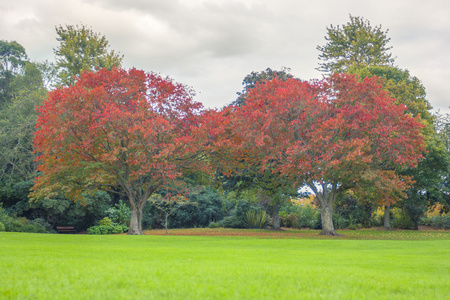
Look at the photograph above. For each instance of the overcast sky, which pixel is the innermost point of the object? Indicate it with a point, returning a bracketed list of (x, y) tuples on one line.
[(211, 45)]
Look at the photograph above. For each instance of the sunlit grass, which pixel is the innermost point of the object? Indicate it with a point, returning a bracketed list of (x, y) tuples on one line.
[(365, 234), (42, 266)]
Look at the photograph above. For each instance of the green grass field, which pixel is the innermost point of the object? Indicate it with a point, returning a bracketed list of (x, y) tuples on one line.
[(45, 266)]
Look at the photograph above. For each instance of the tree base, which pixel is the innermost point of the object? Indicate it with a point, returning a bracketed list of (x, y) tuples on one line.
[(330, 233), (135, 232), (276, 228)]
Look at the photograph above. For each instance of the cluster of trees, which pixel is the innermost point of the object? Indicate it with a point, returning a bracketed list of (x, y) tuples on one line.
[(363, 135)]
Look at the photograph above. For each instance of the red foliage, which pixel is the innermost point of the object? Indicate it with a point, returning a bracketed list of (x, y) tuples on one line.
[(113, 128), (330, 134)]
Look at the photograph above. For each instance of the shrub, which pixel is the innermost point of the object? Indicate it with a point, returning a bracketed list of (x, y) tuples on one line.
[(107, 229), (446, 222), (209, 208), (352, 227), (288, 220), (214, 225), (105, 222), (237, 217), (426, 221), (2, 227), (42, 223), (233, 222), (340, 222), (33, 228), (120, 213), (309, 217), (256, 219), (93, 230), (441, 222), (11, 224), (403, 221)]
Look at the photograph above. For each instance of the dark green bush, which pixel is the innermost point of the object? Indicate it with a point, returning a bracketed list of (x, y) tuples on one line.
[(309, 218), (2, 227), (233, 221), (403, 221), (351, 227), (442, 222), (93, 230), (237, 213), (339, 221), (12, 224), (298, 216), (120, 213), (355, 211), (107, 229), (209, 208), (33, 228), (214, 225), (288, 220)]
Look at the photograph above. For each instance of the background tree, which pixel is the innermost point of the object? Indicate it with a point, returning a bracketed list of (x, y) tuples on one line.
[(12, 58), (17, 120), (115, 128), (253, 78), (403, 87), (253, 176), (427, 177), (81, 49), (171, 202), (361, 49), (356, 43), (330, 134)]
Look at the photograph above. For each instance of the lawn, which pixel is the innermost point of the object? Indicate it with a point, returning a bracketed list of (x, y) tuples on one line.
[(205, 266)]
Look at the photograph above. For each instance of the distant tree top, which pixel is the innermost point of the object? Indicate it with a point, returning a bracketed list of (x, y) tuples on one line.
[(356, 43)]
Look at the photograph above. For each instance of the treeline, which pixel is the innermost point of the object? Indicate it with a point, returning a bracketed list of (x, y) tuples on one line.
[(246, 170)]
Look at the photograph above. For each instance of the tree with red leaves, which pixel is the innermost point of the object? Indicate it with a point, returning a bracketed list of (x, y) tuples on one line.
[(127, 129), (329, 135)]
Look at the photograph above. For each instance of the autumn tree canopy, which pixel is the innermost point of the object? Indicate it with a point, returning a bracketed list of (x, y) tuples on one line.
[(328, 134), (115, 128)]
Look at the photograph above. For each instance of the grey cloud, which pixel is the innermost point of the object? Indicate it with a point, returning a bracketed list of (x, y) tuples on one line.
[(212, 44)]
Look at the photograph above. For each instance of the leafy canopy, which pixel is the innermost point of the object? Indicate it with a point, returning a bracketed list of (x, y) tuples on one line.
[(12, 58), (253, 78), (81, 49), (356, 43), (326, 134), (117, 127)]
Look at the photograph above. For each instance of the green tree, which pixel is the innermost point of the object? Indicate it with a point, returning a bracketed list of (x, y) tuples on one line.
[(356, 43), (428, 175), (402, 86), (17, 121), (253, 78), (12, 58), (82, 49)]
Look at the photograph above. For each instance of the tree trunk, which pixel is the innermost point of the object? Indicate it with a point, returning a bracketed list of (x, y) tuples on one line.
[(327, 219), (166, 222), (326, 199), (276, 215), (387, 217), (135, 221)]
